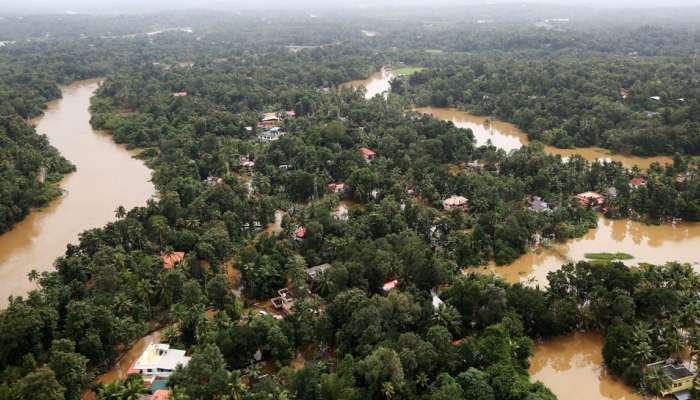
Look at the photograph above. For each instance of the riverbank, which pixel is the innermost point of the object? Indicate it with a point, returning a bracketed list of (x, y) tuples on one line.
[(107, 176)]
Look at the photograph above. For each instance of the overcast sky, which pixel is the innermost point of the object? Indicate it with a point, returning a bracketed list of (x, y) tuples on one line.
[(147, 6)]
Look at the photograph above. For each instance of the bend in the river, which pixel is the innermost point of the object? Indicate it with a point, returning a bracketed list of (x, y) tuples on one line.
[(107, 176)]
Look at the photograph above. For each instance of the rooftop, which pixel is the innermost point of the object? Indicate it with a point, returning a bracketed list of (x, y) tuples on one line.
[(171, 259)]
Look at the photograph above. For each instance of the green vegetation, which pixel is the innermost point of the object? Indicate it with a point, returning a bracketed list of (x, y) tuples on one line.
[(608, 256), (408, 71), (346, 337)]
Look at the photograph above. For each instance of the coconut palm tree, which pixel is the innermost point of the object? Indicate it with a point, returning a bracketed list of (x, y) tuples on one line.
[(388, 390)]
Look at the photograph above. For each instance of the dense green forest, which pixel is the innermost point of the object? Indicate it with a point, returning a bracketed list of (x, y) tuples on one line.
[(29, 167), (639, 106), (357, 340)]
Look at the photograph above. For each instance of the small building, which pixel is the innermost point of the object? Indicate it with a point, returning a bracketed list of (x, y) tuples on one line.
[(456, 202), (269, 120), (539, 205), (437, 301), (475, 165), (680, 376), (591, 199), (313, 271), (180, 94), (299, 233), (285, 301), (338, 188), (247, 163), (368, 154), (655, 98), (624, 93), (636, 183), (213, 181), (291, 114), (390, 285), (170, 260), (159, 361), (271, 135)]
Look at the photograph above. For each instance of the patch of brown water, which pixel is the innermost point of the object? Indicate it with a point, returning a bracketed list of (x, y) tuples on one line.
[(651, 244), (377, 83), (572, 367)]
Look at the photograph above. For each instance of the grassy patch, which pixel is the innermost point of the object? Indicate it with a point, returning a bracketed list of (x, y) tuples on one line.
[(434, 51), (408, 71), (608, 256)]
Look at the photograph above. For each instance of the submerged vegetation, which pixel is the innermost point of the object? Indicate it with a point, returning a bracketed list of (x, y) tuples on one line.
[(390, 314), (608, 256)]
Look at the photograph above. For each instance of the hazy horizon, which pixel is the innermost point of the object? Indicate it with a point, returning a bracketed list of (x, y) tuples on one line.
[(137, 7)]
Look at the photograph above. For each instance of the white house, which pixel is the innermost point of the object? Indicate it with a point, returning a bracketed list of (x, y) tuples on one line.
[(159, 360)]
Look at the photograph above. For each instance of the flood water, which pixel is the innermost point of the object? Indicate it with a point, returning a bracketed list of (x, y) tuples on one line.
[(121, 369), (572, 368), (651, 244), (106, 177), (509, 137), (377, 83)]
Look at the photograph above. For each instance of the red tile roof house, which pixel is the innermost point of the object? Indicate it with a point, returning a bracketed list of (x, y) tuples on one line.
[(337, 188), (172, 259), (637, 182), (299, 234), (368, 154), (180, 94), (390, 285), (456, 202), (269, 120), (291, 114), (591, 199)]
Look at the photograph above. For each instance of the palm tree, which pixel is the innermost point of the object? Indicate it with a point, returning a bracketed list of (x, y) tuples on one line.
[(655, 381), (448, 316), (120, 212), (237, 388), (388, 390), (33, 275)]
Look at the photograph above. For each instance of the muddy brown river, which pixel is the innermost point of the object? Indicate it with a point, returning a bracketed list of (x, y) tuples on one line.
[(509, 137), (107, 176)]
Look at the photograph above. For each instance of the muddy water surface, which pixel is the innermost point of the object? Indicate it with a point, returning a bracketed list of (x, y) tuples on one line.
[(509, 137), (572, 368), (377, 83), (652, 244), (121, 369), (107, 176)]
